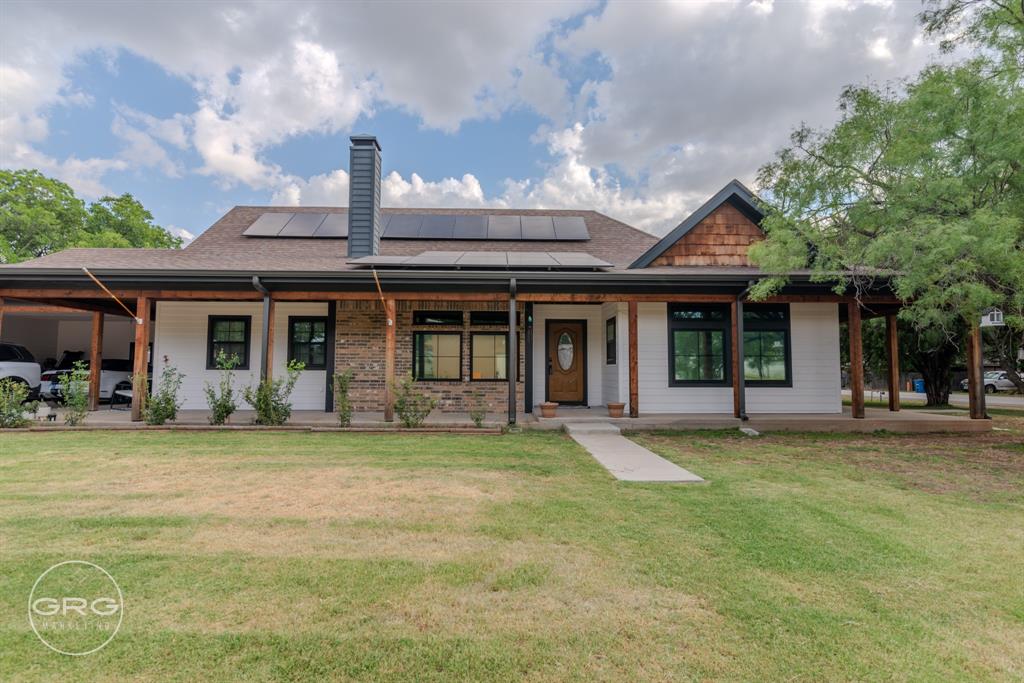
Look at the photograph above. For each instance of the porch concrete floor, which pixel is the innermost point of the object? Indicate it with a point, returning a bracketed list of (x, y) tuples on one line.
[(875, 419)]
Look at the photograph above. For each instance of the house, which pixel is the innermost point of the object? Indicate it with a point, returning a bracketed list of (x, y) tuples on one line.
[(603, 312)]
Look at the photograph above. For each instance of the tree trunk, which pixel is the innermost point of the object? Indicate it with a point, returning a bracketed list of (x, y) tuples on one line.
[(935, 365)]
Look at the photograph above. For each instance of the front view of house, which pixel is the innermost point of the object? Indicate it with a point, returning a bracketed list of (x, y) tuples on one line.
[(516, 306)]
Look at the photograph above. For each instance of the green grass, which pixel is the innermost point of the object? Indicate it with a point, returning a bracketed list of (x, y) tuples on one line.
[(288, 556)]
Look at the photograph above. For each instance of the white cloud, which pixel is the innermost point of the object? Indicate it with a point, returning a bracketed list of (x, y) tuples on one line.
[(184, 234)]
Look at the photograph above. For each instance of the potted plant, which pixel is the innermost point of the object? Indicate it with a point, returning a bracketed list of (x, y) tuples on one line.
[(547, 408), (615, 409)]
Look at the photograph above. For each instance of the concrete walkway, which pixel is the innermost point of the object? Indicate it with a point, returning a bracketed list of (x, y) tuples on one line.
[(625, 459)]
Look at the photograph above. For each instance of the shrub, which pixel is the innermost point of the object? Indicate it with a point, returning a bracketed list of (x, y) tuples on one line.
[(477, 408), (269, 398), (12, 395), (412, 406), (343, 406), (163, 405), (74, 391), (222, 398)]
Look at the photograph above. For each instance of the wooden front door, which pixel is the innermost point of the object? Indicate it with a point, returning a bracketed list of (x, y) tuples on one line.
[(567, 361)]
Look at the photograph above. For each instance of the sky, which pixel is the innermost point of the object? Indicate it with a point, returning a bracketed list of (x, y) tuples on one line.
[(640, 110)]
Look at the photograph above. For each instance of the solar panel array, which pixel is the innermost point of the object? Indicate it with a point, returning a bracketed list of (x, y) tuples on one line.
[(506, 260), (426, 226)]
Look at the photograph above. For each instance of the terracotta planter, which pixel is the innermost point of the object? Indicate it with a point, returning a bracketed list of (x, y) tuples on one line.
[(615, 409), (547, 409)]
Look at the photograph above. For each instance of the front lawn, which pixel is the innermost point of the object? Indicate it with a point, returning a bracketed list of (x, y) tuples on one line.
[(411, 557)]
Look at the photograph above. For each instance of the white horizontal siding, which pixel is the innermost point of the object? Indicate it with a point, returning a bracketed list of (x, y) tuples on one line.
[(656, 396), (610, 376), (595, 346), (814, 330), (180, 333)]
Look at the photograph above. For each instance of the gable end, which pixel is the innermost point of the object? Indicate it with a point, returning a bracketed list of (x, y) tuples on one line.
[(721, 239)]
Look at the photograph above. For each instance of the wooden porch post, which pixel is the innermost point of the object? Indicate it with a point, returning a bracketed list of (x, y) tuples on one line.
[(634, 373), (739, 384), (975, 374), (389, 360), (95, 360), (892, 350), (267, 361), (140, 386), (513, 354), (856, 359), (1, 316)]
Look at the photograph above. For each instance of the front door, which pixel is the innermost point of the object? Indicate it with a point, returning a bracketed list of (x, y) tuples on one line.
[(567, 362)]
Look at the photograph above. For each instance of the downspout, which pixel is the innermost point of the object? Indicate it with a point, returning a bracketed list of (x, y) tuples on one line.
[(513, 352), (528, 358), (265, 342), (741, 380)]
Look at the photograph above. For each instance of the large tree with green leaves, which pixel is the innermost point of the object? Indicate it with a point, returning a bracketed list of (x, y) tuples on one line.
[(919, 186), (41, 215)]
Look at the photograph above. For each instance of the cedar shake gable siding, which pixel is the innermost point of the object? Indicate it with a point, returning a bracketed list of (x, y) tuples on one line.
[(721, 239)]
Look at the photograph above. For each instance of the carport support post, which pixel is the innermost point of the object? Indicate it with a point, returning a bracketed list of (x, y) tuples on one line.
[(634, 359), (95, 360), (140, 384), (976, 375), (856, 359), (892, 351), (389, 360)]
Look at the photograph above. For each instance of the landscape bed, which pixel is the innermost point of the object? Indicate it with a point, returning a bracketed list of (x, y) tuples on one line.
[(430, 557)]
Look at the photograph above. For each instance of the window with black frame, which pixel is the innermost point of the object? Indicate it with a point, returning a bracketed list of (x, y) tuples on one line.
[(767, 359), (230, 335), (698, 341), (437, 356), (307, 341), (609, 341), (488, 356)]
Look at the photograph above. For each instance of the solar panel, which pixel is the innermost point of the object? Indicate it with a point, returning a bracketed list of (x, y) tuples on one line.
[(403, 226), (504, 228), (435, 258), (570, 228), (302, 225), (437, 227), (531, 259), (268, 224), (484, 259), (470, 228), (577, 259), (335, 225), (538, 228)]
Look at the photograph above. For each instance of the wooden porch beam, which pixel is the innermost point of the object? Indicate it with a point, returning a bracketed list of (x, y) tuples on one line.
[(140, 385), (390, 323), (975, 374), (66, 306), (856, 359), (892, 352), (634, 360), (95, 360)]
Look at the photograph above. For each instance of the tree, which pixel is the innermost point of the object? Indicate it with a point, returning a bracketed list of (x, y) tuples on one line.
[(919, 187), (41, 215)]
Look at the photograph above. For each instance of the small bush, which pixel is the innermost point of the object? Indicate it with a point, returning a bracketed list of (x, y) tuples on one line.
[(413, 406), (477, 408), (74, 391), (270, 398), (163, 405), (12, 397), (222, 398), (343, 406)]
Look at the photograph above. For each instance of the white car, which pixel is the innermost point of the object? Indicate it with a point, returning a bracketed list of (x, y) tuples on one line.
[(995, 380), (17, 363), (113, 371)]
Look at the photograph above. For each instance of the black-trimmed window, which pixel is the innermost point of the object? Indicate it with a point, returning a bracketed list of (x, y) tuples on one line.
[(488, 356), (230, 334), (490, 318), (767, 356), (609, 341), (437, 355), (698, 345), (451, 318), (307, 341)]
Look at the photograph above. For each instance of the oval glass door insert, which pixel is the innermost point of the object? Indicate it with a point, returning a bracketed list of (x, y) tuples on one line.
[(566, 351)]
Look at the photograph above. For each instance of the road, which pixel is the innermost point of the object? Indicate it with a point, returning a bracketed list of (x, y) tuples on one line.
[(959, 398)]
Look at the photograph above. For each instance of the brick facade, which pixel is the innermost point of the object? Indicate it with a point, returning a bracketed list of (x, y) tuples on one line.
[(359, 346)]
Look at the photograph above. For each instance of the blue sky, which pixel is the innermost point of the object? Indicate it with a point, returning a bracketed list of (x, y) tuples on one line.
[(637, 110)]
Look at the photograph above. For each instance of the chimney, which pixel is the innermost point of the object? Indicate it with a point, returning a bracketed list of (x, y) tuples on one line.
[(363, 196)]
